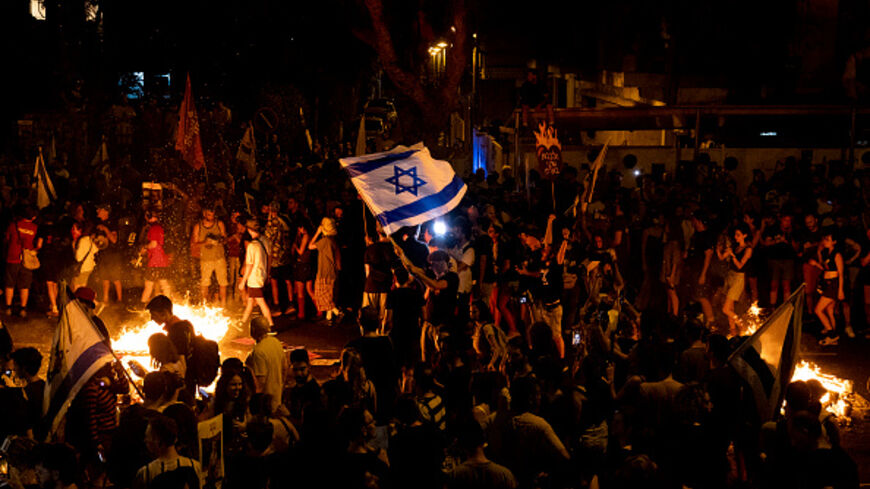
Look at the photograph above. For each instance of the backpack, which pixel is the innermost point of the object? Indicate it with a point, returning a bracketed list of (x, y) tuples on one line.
[(205, 360)]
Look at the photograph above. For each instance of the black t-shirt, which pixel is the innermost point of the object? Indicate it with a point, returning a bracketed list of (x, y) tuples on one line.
[(377, 357), (809, 241), (700, 243), (379, 257), (407, 306), (483, 247), (550, 291), (781, 249), (442, 303)]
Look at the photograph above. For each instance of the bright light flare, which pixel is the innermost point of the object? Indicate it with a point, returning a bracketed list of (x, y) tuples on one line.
[(439, 228), (753, 319)]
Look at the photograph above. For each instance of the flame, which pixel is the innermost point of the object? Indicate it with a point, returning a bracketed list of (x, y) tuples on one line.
[(753, 320), (132, 343), (836, 399), (546, 136), (210, 322)]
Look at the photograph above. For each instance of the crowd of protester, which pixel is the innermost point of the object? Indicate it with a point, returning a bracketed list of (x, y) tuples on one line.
[(539, 342)]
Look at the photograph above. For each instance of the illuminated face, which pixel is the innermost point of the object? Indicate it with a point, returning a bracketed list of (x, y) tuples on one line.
[(811, 222), (208, 215), (234, 387), (474, 314), (828, 242), (492, 232), (439, 267), (102, 214), (566, 233), (599, 242), (739, 236)]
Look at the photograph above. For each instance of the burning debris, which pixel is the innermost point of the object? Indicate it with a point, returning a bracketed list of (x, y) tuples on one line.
[(839, 395)]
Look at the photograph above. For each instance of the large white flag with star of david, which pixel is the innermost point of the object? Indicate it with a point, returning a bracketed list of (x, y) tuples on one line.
[(405, 186)]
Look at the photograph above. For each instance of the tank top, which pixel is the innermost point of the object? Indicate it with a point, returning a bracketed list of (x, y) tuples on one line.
[(210, 251), (738, 255)]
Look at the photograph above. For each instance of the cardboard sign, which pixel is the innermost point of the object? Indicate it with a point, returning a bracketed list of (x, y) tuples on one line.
[(549, 151), (211, 451)]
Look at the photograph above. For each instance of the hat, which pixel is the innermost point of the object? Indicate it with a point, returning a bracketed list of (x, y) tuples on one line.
[(328, 226), (86, 294)]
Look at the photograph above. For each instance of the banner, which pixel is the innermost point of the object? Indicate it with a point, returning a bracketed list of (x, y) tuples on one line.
[(405, 186), (187, 138), (549, 151), (77, 352), (211, 451), (766, 360)]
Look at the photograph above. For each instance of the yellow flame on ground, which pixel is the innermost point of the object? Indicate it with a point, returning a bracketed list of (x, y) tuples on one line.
[(836, 400)]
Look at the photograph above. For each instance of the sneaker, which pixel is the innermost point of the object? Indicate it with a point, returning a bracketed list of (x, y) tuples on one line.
[(849, 331), (829, 341)]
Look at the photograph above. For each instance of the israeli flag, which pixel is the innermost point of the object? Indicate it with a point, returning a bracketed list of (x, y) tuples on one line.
[(405, 186)]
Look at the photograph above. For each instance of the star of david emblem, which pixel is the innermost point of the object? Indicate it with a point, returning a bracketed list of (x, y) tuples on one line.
[(411, 173)]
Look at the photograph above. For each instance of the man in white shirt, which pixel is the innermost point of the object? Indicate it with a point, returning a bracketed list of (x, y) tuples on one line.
[(256, 272), (267, 362)]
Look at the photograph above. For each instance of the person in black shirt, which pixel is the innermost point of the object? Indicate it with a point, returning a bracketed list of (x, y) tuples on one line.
[(306, 391), (379, 258), (698, 265), (441, 304), (404, 314), (26, 362), (376, 351), (781, 257)]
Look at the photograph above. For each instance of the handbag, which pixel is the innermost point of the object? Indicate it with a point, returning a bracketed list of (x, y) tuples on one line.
[(28, 257)]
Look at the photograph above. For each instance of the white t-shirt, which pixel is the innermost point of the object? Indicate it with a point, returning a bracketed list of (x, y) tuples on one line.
[(86, 250), (465, 257), (255, 255)]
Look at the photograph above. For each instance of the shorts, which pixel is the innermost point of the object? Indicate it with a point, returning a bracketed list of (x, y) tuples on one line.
[(153, 274), (830, 288), (284, 272), (780, 270), (734, 285), (254, 292), (218, 267), (18, 277), (553, 317), (378, 300)]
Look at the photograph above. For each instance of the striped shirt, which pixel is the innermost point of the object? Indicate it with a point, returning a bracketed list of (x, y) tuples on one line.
[(146, 475)]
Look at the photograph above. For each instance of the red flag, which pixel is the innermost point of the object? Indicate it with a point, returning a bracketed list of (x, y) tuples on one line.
[(187, 138)]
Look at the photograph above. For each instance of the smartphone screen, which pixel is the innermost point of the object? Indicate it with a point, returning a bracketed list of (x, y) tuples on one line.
[(576, 339)]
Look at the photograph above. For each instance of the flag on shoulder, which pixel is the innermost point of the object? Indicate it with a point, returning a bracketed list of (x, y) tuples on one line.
[(45, 193), (766, 360), (405, 186), (77, 353), (187, 138)]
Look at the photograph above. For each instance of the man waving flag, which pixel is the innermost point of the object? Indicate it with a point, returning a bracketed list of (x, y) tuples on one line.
[(405, 186)]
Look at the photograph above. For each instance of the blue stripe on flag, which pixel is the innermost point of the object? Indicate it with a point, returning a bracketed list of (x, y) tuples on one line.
[(423, 205), (363, 167), (81, 365)]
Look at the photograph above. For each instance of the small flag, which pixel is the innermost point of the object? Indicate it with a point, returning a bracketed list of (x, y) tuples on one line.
[(77, 352), (405, 186), (102, 155), (247, 152), (598, 164), (250, 203), (187, 138), (44, 188), (766, 360)]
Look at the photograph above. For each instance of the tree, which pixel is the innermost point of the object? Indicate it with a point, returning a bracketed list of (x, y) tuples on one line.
[(435, 101)]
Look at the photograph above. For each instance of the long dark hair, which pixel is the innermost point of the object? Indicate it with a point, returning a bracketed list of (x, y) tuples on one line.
[(222, 398)]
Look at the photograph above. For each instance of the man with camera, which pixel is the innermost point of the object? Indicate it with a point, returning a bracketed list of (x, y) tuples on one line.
[(208, 238)]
